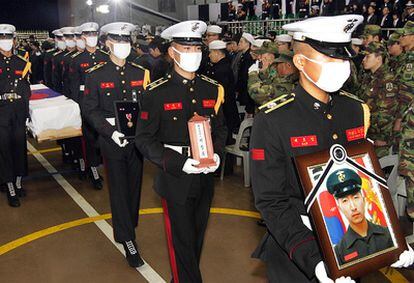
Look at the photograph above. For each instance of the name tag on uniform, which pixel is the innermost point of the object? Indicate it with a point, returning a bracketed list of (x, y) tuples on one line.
[(137, 83), (108, 85), (173, 106), (209, 103), (355, 133), (304, 141), (84, 65)]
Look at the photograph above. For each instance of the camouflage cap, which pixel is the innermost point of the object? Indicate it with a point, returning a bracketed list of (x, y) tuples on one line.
[(394, 38), (371, 30), (408, 28), (268, 47), (285, 57), (374, 47)]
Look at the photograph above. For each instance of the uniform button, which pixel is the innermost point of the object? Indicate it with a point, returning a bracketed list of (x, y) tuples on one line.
[(185, 81), (117, 68), (316, 106), (169, 76), (122, 73), (195, 113), (329, 116), (93, 57), (123, 82), (7, 62), (124, 98), (175, 118), (191, 89), (335, 136), (8, 76), (108, 94), (8, 69), (194, 101), (94, 63), (124, 91)]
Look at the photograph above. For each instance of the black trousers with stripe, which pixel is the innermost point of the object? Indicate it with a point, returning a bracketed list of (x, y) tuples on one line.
[(185, 227)]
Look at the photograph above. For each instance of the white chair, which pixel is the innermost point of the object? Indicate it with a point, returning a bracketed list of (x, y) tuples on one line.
[(235, 149), (396, 184)]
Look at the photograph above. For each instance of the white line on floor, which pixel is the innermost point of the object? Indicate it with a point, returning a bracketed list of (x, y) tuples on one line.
[(146, 270)]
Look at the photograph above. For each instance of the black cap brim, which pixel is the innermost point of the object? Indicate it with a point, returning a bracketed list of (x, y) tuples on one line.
[(188, 41), (335, 50), (348, 190)]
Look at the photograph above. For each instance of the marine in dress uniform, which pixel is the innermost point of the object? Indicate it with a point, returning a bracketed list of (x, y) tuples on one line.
[(362, 238), (186, 190), (302, 122), (81, 62), (118, 80), (47, 60), (14, 110)]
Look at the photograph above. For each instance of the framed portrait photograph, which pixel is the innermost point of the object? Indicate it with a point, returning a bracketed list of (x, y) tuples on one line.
[(351, 209)]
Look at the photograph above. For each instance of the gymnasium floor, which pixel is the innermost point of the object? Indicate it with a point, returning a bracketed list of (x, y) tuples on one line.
[(62, 232)]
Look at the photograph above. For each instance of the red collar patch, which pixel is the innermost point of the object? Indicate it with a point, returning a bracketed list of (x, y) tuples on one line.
[(173, 106), (209, 103), (18, 72), (350, 256), (137, 83), (304, 141), (108, 85), (355, 134)]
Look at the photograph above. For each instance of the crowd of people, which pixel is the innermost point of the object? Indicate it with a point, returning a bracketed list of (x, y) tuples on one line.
[(219, 73)]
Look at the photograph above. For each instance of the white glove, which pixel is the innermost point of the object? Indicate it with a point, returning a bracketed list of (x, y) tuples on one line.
[(190, 167), (116, 137), (322, 276), (406, 258), (254, 67), (212, 169)]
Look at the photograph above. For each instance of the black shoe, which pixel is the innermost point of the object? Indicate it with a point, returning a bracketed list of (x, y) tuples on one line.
[(132, 254), (12, 198), (21, 193), (97, 184), (82, 175)]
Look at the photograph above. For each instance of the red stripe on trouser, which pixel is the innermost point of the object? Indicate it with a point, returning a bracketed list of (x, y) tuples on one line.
[(171, 251), (83, 142)]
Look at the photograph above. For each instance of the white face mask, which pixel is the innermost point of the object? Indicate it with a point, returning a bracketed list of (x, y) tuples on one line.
[(80, 43), (61, 45), (91, 41), (121, 50), (6, 44), (70, 43), (189, 62), (333, 74)]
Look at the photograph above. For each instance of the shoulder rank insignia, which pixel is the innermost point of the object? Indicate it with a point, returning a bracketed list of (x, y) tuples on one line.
[(21, 57), (136, 65), (103, 51), (50, 50), (210, 80), (94, 68), (76, 54), (350, 95), (158, 82), (57, 52), (277, 102)]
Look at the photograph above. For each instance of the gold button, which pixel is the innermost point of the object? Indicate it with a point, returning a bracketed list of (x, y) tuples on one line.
[(194, 101), (122, 73), (191, 89), (175, 118), (329, 116), (335, 136), (93, 57)]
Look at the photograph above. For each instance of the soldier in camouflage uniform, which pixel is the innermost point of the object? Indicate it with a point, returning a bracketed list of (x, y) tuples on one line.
[(382, 92), (395, 51), (406, 79), (372, 33), (262, 81), (288, 74)]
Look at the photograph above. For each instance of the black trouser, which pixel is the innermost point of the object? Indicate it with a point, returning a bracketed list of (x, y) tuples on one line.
[(19, 138), (6, 149), (90, 145), (185, 227), (125, 178)]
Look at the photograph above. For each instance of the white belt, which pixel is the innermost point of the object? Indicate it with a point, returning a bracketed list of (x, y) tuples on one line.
[(82, 87), (185, 150)]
